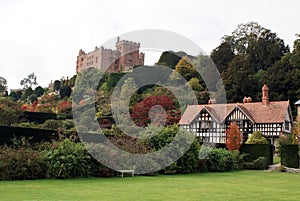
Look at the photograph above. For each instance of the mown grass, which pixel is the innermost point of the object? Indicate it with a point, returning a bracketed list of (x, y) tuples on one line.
[(242, 185)]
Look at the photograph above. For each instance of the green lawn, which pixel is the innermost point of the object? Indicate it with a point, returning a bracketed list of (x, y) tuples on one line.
[(243, 185)]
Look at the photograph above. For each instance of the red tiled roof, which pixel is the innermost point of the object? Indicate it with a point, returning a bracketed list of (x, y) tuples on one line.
[(274, 112), (190, 113)]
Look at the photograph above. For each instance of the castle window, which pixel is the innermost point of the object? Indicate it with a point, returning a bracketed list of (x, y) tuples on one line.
[(96, 59)]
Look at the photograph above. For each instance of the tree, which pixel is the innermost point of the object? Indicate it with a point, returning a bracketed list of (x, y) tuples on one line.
[(10, 111), (245, 57), (256, 138), (195, 84), (238, 79), (222, 55), (65, 92), (170, 59), (186, 69), (233, 137), (32, 98), (3, 85), (29, 81), (27, 93), (56, 85), (146, 111), (39, 91)]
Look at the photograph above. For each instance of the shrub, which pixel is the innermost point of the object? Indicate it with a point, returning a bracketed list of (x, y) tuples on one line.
[(64, 107), (51, 124), (67, 159), (253, 151), (20, 162), (261, 163), (219, 160), (189, 162), (257, 138), (233, 137), (289, 155)]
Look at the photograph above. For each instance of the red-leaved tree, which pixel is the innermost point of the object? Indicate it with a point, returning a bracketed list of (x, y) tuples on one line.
[(140, 111), (233, 137)]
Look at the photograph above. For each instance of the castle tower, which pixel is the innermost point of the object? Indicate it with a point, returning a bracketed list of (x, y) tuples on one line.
[(130, 55), (265, 95)]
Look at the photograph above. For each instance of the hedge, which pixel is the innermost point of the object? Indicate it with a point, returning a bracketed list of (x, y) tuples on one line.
[(39, 117), (7, 133), (255, 151), (289, 155)]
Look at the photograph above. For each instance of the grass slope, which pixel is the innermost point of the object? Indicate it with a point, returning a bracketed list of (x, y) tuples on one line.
[(243, 185)]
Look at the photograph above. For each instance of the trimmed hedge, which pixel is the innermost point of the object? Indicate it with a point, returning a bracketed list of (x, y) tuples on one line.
[(7, 133), (289, 155), (254, 151), (39, 117)]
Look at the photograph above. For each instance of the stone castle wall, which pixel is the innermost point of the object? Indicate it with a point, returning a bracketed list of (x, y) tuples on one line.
[(124, 58)]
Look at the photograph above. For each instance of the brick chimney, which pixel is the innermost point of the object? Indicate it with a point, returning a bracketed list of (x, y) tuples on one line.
[(265, 95)]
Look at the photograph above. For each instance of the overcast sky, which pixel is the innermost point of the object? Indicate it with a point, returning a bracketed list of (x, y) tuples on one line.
[(44, 37)]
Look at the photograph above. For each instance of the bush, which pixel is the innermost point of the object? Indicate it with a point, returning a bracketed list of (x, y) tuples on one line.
[(253, 151), (189, 162), (289, 155), (20, 161), (7, 133), (219, 160), (51, 124), (257, 138), (67, 159), (261, 163)]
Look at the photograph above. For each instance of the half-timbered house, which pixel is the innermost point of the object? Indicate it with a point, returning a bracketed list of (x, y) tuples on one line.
[(209, 122)]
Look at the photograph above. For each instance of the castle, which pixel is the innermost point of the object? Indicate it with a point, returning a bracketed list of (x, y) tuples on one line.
[(123, 59)]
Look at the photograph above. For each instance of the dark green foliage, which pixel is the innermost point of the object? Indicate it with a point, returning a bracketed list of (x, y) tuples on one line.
[(254, 151), (67, 160), (7, 133), (289, 155), (39, 91), (252, 56), (222, 55), (219, 160), (65, 92), (170, 59), (32, 98), (15, 95), (27, 93), (39, 117), (51, 124), (113, 79), (3, 85), (261, 163), (189, 162), (56, 85)]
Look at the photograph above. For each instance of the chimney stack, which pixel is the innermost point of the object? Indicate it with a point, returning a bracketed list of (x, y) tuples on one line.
[(265, 95), (212, 101)]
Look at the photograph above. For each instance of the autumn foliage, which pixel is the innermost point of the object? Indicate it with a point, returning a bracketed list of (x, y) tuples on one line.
[(140, 111), (233, 137)]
